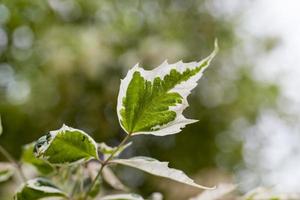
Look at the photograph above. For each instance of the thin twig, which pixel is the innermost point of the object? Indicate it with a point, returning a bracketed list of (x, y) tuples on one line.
[(104, 163), (14, 162)]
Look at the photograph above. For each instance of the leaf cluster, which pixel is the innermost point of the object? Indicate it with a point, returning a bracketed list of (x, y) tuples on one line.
[(71, 165)]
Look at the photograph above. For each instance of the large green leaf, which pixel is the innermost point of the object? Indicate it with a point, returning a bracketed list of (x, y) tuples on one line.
[(152, 102), (28, 157), (6, 171), (66, 145), (157, 168), (37, 189)]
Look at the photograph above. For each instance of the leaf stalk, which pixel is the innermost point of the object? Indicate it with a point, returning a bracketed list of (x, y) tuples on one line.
[(104, 163), (14, 162)]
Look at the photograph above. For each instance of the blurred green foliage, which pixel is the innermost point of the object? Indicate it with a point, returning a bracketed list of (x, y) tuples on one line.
[(61, 61)]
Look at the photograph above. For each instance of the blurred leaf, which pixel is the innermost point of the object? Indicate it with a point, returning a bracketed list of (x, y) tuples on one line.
[(28, 157), (158, 168), (268, 193), (6, 171), (107, 150), (156, 196), (110, 178), (1, 128), (95, 189), (152, 102), (38, 188), (122, 197), (107, 174), (66, 145), (92, 171), (219, 193)]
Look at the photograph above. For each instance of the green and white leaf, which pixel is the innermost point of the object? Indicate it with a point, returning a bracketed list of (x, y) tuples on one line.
[(66, 145), (220, 192), (1, 128), (28, 157), (6, 171), (152, 102), (37, 189), (122, 197), (157, 168), (107, 150)]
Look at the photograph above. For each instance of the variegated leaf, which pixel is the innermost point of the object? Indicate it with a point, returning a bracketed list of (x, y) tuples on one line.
[(66, 145), (158, 168), (152, 102), (38, 188)]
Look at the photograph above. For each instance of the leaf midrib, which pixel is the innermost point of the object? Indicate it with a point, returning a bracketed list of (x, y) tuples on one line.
[(141, 113)]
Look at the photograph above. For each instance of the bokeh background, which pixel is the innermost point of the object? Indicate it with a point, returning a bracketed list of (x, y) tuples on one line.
[(61, 61)]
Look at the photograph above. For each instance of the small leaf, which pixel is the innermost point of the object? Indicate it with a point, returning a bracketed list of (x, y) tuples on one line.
[(66, 145), (152, 102), (38, 188), (28, 157), (122, 197), (219, 193), (158, 168), (107, 150), (1, 128), (6, 171)]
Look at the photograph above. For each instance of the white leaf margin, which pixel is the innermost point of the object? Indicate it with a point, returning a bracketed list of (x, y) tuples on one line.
[(122, 196), (63, 129), (157, 168), (184, 89), (32, 184), (47, 189)]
